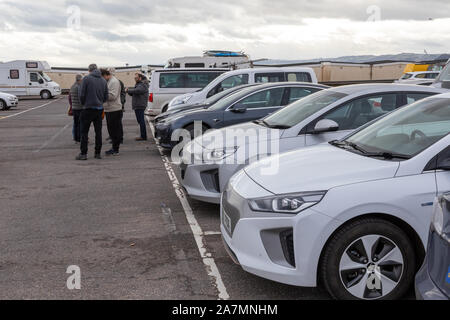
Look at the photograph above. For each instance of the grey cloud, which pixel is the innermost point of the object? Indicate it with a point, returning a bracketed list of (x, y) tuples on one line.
[(110, 36)]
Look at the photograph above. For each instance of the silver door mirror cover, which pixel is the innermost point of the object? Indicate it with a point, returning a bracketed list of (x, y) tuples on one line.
[(326, 125)]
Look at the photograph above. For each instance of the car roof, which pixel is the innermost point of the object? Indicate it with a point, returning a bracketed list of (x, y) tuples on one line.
[(292, 83), (443, 95), (192, 70), (419, 72), (384, 87)]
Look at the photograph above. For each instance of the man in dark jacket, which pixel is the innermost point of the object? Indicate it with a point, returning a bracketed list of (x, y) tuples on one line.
[(75, 104), (139, 102), (93, 93)]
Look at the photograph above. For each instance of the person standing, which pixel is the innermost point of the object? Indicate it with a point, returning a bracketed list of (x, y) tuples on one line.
[(123, 100), (93, 94), (139, 102), (75, 104), (113, 111)]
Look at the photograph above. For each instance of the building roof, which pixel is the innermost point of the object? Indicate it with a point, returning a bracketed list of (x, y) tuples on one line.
[(366, 59)]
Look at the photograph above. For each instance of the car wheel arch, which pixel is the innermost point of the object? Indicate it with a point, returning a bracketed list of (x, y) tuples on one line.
[(419, 247)]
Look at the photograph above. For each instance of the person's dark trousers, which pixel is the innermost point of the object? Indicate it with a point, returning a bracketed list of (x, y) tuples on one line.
[(114, 124), (76, 125), (141, 120), (121, 124), (87, 117)]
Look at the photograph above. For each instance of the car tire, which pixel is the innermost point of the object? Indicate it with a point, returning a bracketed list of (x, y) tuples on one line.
[(45, 94), (3, 105), (387, 272)]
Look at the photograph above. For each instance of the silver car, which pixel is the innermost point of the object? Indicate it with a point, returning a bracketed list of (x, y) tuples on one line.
[(209, 161)]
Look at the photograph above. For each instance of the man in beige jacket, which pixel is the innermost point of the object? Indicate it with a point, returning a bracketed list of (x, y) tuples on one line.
[(113, 111)]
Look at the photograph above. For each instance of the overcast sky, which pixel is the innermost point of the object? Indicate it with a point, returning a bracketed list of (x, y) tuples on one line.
[(116, 32)]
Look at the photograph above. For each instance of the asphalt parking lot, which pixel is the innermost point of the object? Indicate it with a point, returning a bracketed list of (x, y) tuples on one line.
[(119, 219)]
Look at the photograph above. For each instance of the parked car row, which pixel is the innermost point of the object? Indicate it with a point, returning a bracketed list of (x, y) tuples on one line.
[(330, 187), (180, 87)]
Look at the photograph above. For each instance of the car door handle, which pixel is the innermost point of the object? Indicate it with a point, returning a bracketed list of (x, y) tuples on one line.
[(216, 120)]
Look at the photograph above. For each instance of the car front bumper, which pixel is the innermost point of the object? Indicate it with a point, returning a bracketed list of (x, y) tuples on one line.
[(163, 134), (205, 182), (278, 247), (433, 279)]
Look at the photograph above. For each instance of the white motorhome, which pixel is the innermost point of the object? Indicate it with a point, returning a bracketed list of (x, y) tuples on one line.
[(27, 78), (212, 59)]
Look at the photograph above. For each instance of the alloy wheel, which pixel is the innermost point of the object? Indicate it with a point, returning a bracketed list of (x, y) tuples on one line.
[(371, 267)]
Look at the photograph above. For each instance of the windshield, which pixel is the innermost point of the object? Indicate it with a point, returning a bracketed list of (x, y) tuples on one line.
[(406, 76), (303, 108), (225, 102), (445, 73), (406, 132), (45, 76)]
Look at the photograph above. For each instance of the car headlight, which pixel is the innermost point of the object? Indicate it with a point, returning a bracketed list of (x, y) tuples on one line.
[(288, 203), (12, 98), (179, 101), (219, 154)]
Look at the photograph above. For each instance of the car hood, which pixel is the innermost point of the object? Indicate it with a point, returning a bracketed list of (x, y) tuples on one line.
[(317, 168), (7, 95), (181, 110), (237, 136), (188, 112)]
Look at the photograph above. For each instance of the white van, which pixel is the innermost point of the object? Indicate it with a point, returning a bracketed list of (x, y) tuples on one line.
[(27, 78), (246, 76), (165, 84)]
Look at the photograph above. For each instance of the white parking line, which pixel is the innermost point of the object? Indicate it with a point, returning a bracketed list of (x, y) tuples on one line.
[(38, 107), (52, 138), (196, 229)]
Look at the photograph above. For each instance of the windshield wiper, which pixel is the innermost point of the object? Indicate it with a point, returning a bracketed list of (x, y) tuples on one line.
[(384, 154), (387, 155)]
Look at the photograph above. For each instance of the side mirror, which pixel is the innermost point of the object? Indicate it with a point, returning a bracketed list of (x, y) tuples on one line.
[(41, 81), (326, 125), (239, 108)]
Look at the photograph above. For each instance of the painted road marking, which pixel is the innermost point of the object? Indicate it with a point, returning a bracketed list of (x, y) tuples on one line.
[(35, 108), (52, 138), (208, 261)]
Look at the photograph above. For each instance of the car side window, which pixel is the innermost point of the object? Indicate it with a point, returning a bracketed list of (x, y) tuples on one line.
[(296, 93), (200, 79), (263, 99), (421, 75), (33, 77), (233, 81), (269, 77), (298, 77), (171, 80), (358, 112), (413, 97)]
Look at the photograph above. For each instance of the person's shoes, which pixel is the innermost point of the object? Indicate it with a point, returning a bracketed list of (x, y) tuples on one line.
[(81, 157), (98, 156), (140, 139), (111, 153)]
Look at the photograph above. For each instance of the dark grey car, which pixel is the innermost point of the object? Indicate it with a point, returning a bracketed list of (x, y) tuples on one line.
[(433, 279), (243, 106)]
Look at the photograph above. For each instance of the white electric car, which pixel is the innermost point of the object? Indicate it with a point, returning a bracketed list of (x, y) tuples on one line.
[(352, 215), (210, 161)]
